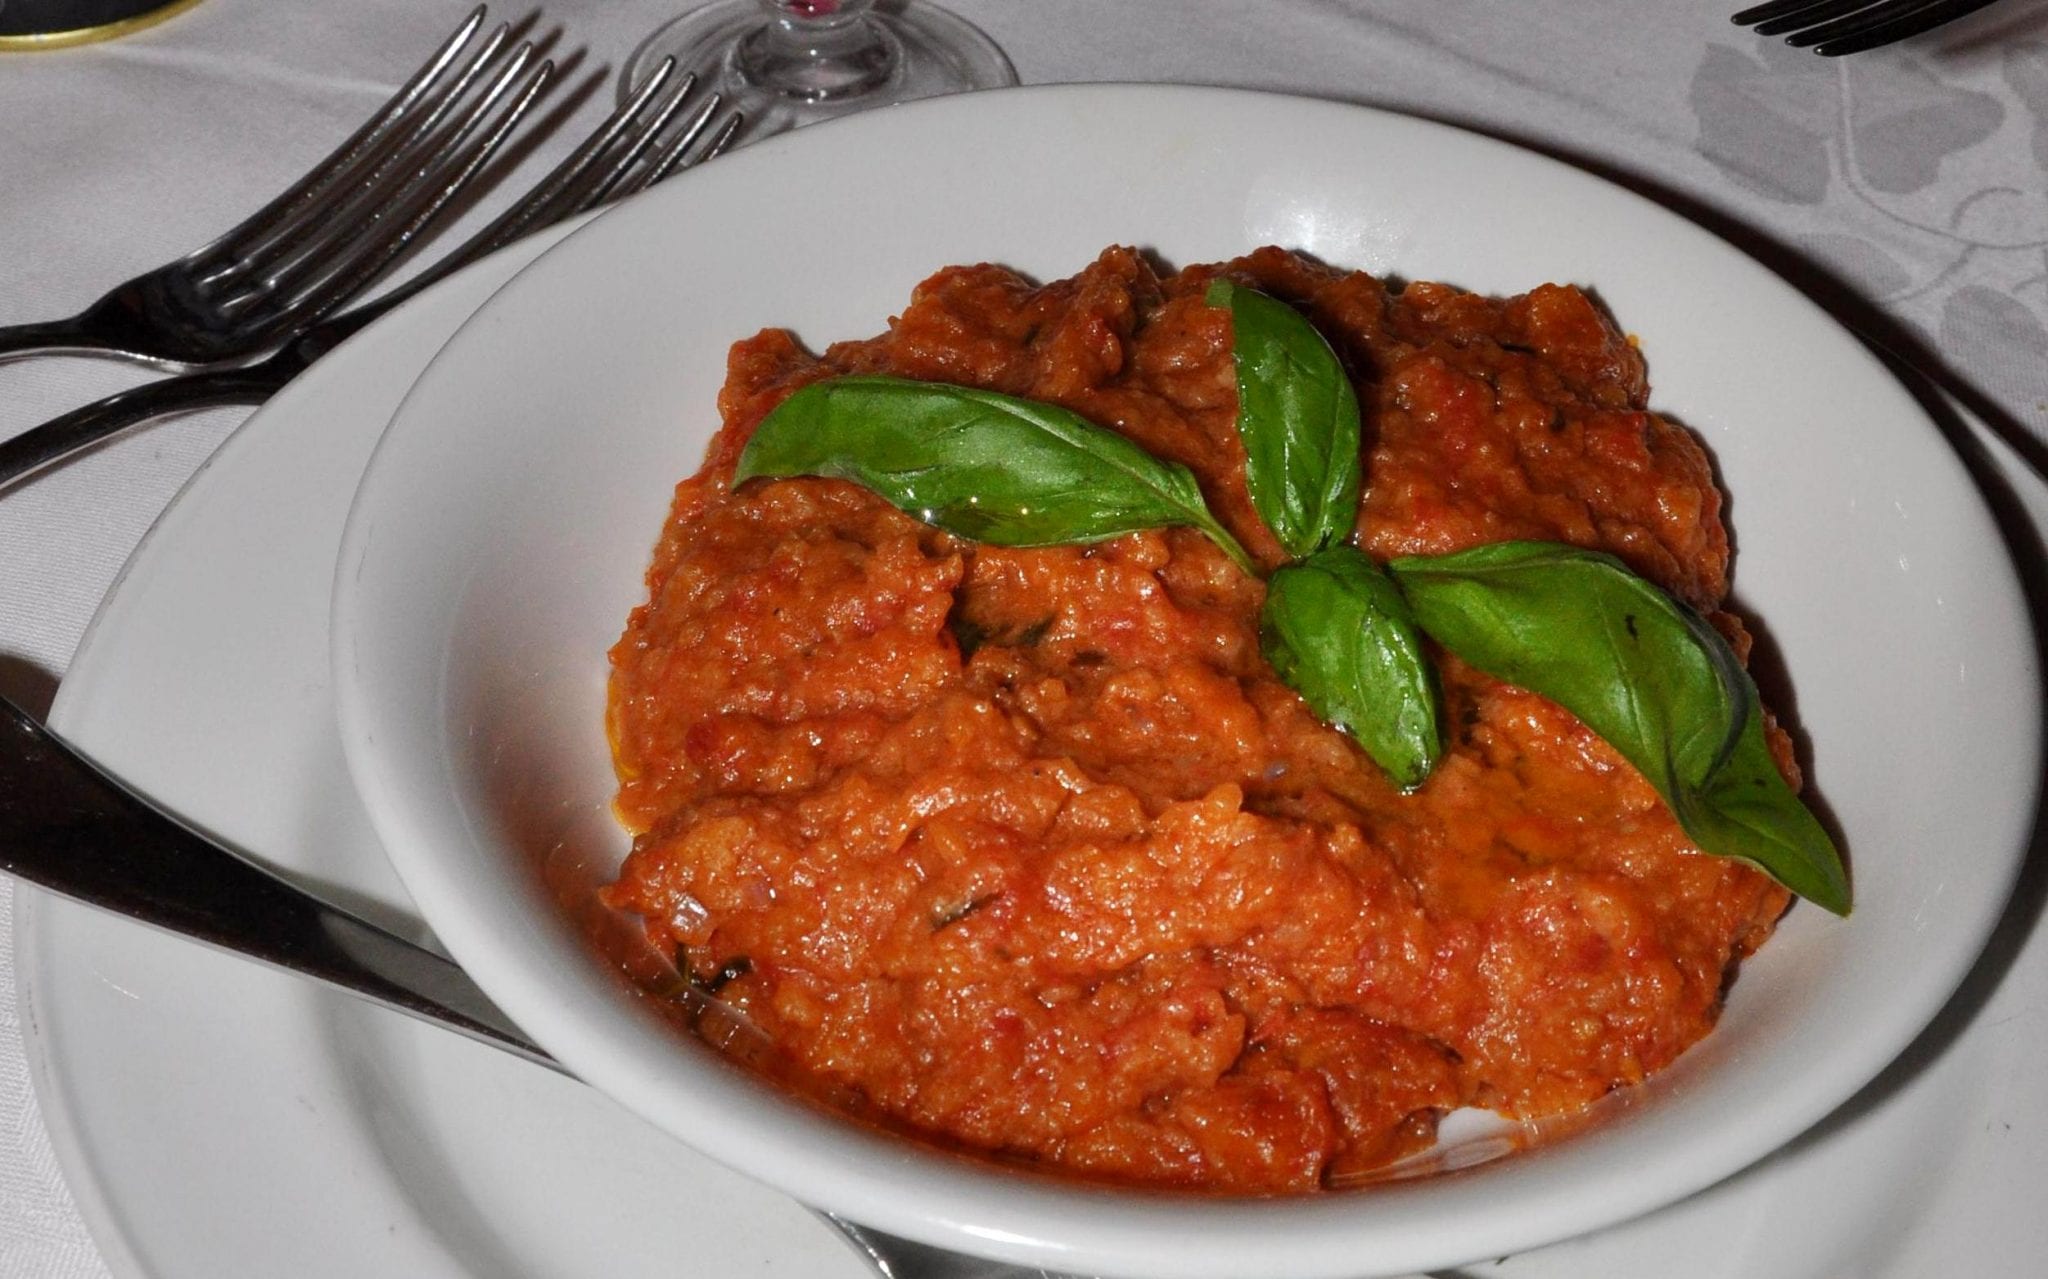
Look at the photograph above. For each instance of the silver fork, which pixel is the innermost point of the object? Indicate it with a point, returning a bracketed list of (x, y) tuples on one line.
[(326, 238), (1835, 27), (627, 153)]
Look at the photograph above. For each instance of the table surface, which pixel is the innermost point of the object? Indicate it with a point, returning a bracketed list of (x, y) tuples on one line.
[(1904, 189)]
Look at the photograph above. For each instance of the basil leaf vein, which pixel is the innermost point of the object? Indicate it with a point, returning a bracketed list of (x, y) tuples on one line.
[(1298, 417), (1648, 675), (1337, 631), (986, 466)]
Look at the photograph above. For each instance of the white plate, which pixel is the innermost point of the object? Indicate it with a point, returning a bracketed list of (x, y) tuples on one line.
[(503, 526), (216, 1121)]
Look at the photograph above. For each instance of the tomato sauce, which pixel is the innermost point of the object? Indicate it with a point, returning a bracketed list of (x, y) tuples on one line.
[(1030, 853)]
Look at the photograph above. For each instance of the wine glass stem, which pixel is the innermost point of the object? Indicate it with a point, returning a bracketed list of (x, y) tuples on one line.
[(817, 50)]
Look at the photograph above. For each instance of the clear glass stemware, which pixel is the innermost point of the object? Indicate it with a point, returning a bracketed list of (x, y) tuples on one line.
[(785, 63)]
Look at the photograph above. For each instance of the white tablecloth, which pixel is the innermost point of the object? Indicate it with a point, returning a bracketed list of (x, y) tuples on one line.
[(1904, 188)]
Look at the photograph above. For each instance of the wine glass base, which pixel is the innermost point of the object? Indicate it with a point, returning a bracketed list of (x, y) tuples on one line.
[(934, 52)]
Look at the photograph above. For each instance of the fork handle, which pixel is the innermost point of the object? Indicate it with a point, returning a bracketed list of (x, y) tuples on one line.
[(43, 446), (49, 337)]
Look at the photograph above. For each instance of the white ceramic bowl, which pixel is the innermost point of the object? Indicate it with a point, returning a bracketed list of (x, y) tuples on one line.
[(502, 530)]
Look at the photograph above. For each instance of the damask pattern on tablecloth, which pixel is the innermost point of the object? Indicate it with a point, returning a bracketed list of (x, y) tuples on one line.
[(1897, 166)]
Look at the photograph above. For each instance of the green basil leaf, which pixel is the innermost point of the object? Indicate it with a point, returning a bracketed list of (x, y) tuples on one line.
[(1298, 417), (991, 467), (1647, 674), (1337, 631), (1745, 810)]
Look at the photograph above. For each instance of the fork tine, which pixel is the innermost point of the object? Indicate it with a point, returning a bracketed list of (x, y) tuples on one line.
[(1836, 27), (1896, 26), (612, 180), (1776, 9), (553, 191), (605, 176), (368, 258), (672, 158), (547, 202), (1815, 11), (373, 133), (379, 175), (1830, 26), (338, 238), (565, 190), (342, 239)]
